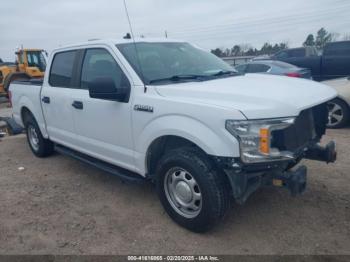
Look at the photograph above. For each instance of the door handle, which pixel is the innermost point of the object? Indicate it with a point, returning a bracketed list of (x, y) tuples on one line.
[(46, 99), (78, 105)]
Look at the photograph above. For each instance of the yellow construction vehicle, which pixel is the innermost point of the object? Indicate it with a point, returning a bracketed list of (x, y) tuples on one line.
[(30, 63)]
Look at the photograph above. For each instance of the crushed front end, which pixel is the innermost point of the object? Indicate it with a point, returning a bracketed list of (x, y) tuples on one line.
[(271, 148)]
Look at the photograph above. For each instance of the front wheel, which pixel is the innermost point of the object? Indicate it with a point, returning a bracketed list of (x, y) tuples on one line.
[(191, 190)]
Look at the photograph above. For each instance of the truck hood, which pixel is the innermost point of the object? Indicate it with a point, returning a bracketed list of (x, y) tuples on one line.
[(255, 95)]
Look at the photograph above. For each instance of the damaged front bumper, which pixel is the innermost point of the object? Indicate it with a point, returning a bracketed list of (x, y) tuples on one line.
[(245, 179), (326, 154)]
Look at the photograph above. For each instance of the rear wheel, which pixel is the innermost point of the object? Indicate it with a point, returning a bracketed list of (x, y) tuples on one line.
[(191, 190), (338, 113), (40, 146)]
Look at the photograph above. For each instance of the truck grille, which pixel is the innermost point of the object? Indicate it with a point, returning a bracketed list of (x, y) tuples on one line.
[(308, 126)]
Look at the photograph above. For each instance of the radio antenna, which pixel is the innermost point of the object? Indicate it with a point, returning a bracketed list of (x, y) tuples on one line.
[(135, 46)]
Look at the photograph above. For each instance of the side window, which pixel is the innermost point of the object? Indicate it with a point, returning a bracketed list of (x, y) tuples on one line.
[(281, 55), (257, 68), (99, 63), (62, 69), (300, 52), (241, 68)]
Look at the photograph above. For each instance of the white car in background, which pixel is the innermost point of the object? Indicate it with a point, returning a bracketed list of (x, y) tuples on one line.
[(339, 108)]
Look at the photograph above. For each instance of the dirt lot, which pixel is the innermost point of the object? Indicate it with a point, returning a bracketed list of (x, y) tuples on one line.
[(61, 206)]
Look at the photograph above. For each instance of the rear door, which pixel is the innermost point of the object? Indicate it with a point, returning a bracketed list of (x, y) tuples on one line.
[(56, 99), (103, 127), (336, 60)]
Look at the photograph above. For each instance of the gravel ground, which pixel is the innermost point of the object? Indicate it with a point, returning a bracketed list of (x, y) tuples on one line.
[(58, 205)]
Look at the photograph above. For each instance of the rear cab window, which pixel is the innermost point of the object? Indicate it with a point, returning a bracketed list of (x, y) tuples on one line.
[(61, 72)]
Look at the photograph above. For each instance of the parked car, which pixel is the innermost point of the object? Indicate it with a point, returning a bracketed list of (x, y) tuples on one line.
[(274, 68), (306, 51), (334, 63), (339, 108), (179, 116)]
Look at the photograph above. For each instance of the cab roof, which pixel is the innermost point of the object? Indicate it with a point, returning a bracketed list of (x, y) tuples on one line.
[(119, 41)]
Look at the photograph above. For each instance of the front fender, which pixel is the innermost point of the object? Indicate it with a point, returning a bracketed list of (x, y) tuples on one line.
[(213, 142)]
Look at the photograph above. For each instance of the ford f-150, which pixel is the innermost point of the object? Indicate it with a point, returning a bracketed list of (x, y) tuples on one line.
[(172, 113)]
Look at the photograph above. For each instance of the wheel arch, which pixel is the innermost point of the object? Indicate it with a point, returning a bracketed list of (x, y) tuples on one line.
[(346, 113), (161, 145), (25, 113), (343, 99), (184, 131), (28, 109)]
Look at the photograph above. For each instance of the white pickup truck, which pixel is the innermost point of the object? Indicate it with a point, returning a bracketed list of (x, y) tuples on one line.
[(172, 113)]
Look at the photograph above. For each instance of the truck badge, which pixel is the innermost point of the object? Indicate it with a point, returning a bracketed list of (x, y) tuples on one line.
[(144, 108)]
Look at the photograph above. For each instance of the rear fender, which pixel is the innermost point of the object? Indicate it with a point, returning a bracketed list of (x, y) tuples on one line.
[(24, 102)]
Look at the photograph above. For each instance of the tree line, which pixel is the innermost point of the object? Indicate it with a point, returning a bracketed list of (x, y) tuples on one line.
[(319, 40)]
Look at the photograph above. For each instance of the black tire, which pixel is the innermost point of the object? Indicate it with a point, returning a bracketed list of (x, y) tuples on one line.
[(214, 188), (44, 146), (342, 111)]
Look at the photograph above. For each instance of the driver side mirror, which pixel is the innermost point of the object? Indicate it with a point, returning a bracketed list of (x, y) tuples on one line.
[(105, 88)]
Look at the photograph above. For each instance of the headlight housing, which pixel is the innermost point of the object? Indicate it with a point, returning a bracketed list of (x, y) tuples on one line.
[(255, 138)]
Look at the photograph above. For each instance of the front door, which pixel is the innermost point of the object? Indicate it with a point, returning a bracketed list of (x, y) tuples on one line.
[(103, 127)]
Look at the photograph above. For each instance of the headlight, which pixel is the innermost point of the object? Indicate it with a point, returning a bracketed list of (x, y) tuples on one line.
[(255, 138)]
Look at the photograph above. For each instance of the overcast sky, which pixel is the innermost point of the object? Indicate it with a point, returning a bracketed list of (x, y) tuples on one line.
[(208, 23)]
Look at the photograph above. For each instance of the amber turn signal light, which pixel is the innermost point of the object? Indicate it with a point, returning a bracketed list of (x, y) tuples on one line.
[(264, 144)]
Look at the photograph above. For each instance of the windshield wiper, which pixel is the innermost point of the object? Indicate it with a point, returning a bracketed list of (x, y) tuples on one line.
[(176, 78), (225, 72)]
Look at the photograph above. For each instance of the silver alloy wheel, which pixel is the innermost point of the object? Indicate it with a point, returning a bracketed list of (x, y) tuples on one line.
[(183, 192), (335, 114), (33, 138)]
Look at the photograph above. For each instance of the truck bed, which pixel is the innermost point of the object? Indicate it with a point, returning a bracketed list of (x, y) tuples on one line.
[(27, 92)]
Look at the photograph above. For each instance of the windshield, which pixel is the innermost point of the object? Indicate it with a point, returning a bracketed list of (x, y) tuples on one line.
[(173, 62)]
